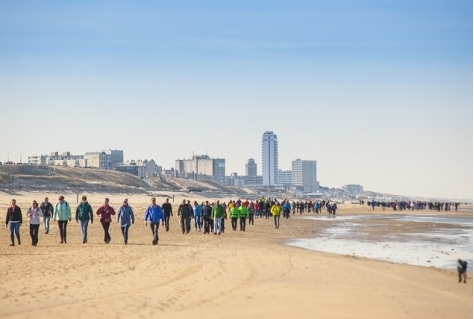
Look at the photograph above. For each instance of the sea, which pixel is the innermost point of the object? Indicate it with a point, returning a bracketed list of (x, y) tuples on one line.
[(439, 246)]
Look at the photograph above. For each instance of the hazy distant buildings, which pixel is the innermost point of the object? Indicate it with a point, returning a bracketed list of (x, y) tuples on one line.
[(105, 159), (269, 158), (304, 175), (251, 167), (353, 188), (201, 167), (284, 178)]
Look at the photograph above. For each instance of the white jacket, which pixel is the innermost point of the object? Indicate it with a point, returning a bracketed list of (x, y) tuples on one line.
[(34, 214)]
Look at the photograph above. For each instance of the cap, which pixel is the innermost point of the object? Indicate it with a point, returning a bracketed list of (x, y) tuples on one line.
[(61, 197)]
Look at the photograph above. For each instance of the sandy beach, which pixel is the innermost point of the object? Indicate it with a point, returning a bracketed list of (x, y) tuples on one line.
[(252, 274)]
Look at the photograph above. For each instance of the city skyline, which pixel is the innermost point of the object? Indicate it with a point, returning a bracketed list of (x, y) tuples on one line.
[(380, 93)]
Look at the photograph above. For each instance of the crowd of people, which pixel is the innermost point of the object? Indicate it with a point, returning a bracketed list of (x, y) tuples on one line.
[(411, 205), (208, 216)]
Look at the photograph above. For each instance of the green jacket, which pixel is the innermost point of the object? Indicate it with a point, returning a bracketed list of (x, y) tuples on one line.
[(84, 212), (243, 211), (217, 211), (234, 212), (62, 211)]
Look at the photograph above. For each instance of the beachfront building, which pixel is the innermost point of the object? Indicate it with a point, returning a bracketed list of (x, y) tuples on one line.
[(37, 159), (251, 167), (304, 175), (105, 159), (201, 167), (353, 189), (131, 167), (284, 178), (269, 158)]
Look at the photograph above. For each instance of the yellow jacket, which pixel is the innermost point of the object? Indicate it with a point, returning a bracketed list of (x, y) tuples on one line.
[(275, 210)]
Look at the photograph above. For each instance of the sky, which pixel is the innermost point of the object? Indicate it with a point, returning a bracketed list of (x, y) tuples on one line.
[(380, 93)]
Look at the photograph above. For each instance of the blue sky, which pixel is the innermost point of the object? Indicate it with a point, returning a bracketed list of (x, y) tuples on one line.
[(378, 92)]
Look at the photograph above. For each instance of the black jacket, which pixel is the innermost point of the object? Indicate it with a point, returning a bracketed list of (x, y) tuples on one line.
[(14, 215)]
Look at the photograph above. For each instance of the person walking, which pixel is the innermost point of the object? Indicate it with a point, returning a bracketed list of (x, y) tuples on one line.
[(184, 214), (34, 213), (168, 211), (206, 216), (243, 214), (234, 215), (286, 209), (217, 215), (197, 211), (106, 212), (154, 214), (276, 210), (47, 210), (84, 213), (14, 219), (62, 214), (251, 209), (125, 219)]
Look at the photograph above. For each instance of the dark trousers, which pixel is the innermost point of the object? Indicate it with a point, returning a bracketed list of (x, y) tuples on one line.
[(185, 223), (154, 230), (222, 224), (167, 222), (233, 222), (243, 222), (250, 219), (34, 233), (206, 225), (277, 221), (106, 232), (125, 233), (62, 229)]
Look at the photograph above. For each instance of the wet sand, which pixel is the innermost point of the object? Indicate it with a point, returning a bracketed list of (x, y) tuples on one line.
[(250, 274)]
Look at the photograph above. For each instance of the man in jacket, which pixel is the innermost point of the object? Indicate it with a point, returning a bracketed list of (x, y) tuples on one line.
[(206, 215), (14, 220), (185, 212), (234, 215), (62, 214), (243, 214), (168, 211), (47, 209), (84, 213), (125, 219), (154, 214), (217, 215)]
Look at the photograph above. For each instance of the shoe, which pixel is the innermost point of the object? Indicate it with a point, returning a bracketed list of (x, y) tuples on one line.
[(216, 233), (84, 241), (61, 242), (65, 241), (19, 242), (12, 244), (219, 233)]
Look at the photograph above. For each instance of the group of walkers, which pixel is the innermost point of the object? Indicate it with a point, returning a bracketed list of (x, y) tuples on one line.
[(208, 217), (411, 205)]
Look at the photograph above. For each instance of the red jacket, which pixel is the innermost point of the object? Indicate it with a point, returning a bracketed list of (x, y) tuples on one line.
[(105, 213)]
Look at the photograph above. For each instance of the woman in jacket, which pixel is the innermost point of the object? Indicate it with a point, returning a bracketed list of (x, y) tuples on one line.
[(34, 213), (14, 220), (125, 219), (106, 212), (62, 214)]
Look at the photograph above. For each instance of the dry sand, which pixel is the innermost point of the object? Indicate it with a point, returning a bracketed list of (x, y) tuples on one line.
[(235, 275)]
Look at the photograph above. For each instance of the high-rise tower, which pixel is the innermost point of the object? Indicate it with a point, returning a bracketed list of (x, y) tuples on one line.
[(269, 158)]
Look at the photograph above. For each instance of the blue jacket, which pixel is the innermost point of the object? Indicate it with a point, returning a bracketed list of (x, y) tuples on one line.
[(125, 216), (154, 214), (197, 210), (287, 206)]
